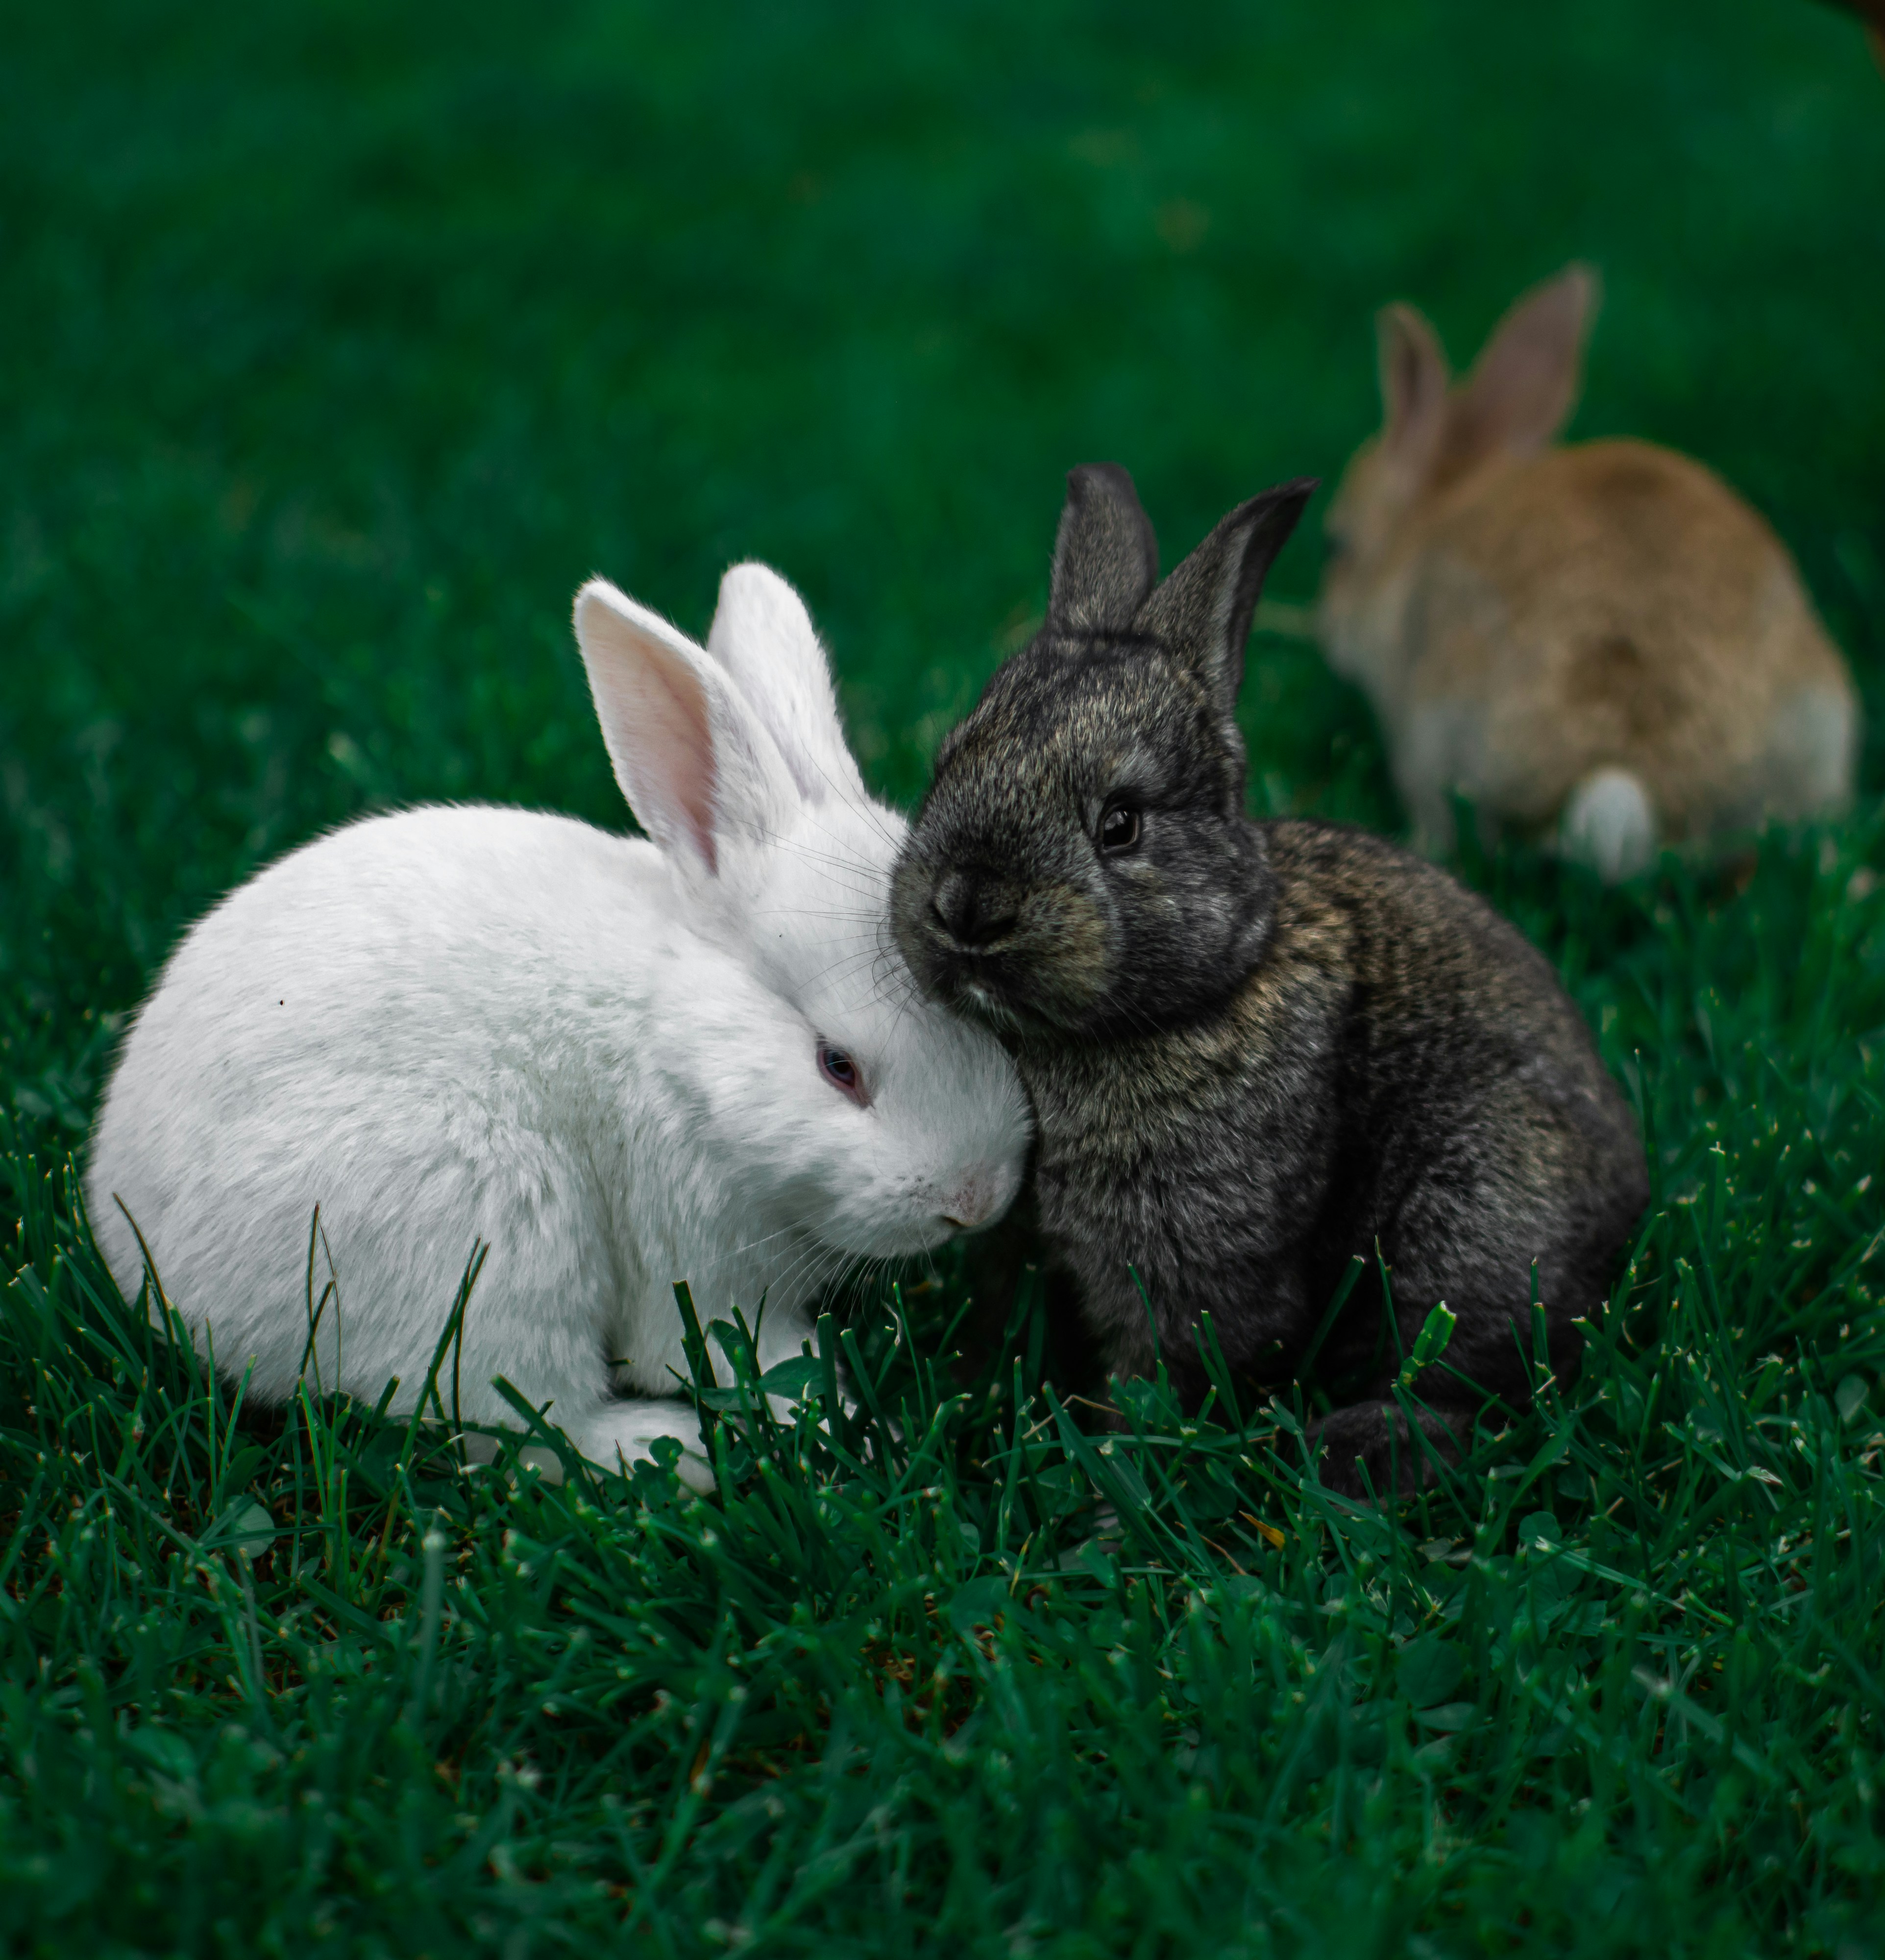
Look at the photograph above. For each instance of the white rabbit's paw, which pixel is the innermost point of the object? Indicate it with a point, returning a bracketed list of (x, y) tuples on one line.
[(623, 1433)]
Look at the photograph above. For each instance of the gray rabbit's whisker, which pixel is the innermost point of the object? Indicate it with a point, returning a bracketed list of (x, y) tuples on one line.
[(870, 815), (839, 861), (857, 881), (865, 921), (848, 963)]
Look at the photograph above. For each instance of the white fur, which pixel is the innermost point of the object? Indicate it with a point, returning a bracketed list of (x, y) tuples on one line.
[(1609, 824), (597, 1055), (1812, 753)]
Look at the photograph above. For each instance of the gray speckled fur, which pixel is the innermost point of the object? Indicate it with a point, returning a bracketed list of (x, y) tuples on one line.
[(1255, 1049)]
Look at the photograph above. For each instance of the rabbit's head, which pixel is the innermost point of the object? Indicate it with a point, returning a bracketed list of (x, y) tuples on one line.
[(820, 1083), (1433, 438), (1082, 862)]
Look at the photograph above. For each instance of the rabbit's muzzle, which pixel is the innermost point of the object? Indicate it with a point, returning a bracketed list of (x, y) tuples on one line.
[(983, 1193), (1004, 953), (974, 912)]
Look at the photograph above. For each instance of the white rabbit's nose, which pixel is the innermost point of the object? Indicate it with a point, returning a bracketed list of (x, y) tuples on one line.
[(977, 1199)]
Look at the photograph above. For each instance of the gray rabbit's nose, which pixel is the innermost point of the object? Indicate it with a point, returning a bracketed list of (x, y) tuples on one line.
[(974, 911)]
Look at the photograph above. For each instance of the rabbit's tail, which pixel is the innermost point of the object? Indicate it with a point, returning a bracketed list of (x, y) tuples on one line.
[(1609, 824)]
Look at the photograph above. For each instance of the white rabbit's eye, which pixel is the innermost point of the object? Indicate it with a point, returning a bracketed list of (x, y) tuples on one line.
[(841, 1072), (1118, 829)]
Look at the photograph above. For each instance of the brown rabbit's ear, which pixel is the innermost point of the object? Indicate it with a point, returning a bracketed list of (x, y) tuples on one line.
[(1105, 558), (1202, 612), (1524, 384), (1414, 382)]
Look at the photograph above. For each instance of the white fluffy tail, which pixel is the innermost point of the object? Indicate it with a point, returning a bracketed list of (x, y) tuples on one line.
[(1609, 824)]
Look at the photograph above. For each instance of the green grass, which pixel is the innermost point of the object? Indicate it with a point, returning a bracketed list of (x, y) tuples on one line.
[(337, 343)]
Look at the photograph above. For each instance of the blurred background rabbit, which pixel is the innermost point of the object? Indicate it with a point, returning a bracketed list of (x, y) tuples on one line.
[(1872, 12), (1600, 644)]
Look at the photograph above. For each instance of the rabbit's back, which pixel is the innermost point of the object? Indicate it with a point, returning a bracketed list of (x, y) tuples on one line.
[(423, 1023), (1447, 1011), (1393, 1013), (1614, 606), (1479, 1128)]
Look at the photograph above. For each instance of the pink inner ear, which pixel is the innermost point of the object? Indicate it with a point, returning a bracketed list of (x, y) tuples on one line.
[(656, 720), (679, 749)]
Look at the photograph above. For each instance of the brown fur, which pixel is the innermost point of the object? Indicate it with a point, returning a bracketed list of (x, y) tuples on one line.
[(1523, 616)]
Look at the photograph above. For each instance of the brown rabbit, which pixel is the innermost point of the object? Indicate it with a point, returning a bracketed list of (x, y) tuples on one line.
[(1600, 644)]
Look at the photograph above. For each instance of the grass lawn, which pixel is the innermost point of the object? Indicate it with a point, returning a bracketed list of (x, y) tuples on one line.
[(338, 342)]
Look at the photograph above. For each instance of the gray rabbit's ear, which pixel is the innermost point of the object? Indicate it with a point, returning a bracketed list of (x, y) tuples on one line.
[(1105, 558), (1201, 613)]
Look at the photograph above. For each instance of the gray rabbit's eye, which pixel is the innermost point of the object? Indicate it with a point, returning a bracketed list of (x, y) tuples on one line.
[(1118, 829)]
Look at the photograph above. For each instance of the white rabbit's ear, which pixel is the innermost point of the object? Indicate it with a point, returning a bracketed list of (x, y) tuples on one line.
[(1524, 384), (1414, 381), (764, 637), (691, 757)]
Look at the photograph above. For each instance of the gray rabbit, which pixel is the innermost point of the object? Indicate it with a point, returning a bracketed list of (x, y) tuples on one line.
[(1255, 1049)]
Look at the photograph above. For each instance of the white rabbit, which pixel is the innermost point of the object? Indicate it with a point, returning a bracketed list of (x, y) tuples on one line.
[(618, 1063)]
